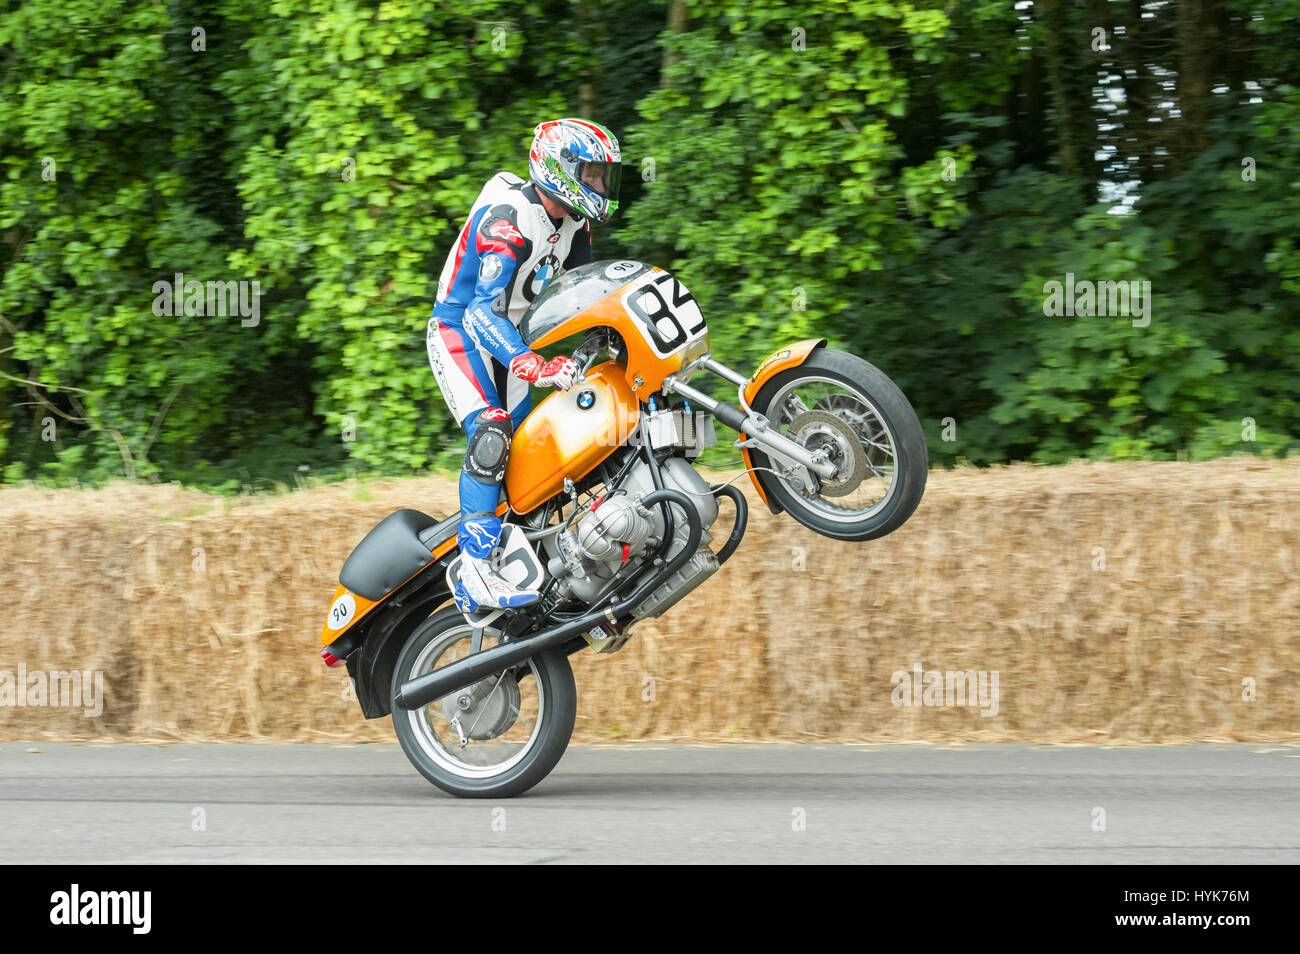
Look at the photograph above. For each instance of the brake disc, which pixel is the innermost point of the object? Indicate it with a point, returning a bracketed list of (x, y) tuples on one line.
[(816, 430), (486, 709)]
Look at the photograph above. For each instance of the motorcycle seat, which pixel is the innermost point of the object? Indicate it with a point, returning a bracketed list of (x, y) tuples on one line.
[(396, 549)]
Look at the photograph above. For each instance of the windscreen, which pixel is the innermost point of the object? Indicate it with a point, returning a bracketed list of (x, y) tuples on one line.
[(573, 291)]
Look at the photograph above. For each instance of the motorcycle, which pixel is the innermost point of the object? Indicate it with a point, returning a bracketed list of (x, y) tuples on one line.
[(606, 515)]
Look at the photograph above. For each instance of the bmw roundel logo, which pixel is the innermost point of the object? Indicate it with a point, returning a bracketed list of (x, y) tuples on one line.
[(586, 398)]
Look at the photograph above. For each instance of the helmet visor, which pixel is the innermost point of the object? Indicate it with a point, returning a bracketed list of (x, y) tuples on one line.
[(601, 177)]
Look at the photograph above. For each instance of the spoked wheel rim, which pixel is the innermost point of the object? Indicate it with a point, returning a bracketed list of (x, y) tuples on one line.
[(862, 444), (492, 700)]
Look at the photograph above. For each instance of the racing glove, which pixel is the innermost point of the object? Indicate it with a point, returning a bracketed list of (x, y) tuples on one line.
[(533, 368)]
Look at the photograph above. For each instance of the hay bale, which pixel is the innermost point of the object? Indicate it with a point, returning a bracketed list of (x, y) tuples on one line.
[(203, 613)]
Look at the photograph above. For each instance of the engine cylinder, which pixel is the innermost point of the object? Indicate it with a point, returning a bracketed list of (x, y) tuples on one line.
[(615, 522)]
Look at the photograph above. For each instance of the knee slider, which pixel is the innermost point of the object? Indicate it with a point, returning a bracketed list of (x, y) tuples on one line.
[(489, 448)]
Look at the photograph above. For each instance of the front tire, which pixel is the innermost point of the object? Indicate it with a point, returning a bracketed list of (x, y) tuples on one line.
[(876, 430), (516, 757)]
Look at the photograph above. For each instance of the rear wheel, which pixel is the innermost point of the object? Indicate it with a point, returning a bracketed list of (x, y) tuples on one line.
[(848, 408), (495, 739)]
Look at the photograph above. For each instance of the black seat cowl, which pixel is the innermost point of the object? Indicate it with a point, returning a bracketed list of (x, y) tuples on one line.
[(396, 549)]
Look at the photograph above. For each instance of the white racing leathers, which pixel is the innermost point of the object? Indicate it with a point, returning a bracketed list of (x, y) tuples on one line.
[(507, 252)]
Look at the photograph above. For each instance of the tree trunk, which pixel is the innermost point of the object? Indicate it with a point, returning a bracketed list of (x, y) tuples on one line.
[(1197, 39), (677, 16)]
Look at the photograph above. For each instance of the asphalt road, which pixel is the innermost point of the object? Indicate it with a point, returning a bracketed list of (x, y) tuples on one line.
[(94, 803)]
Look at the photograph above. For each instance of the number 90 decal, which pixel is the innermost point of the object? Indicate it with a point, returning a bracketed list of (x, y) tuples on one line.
[(342, 612), (665, 312)]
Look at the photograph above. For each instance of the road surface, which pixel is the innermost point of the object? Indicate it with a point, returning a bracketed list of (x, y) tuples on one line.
[(100, 803)]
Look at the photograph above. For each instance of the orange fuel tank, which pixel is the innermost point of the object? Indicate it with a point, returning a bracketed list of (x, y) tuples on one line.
[(563, 438)]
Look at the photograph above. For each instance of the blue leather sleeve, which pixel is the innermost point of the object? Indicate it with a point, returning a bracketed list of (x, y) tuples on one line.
[(497, 244)]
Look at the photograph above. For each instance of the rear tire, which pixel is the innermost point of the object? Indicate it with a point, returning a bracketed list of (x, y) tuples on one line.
[(911, 457), (557, 704)]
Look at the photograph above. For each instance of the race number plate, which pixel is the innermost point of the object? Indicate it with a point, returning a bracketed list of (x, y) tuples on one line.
[(666, 314)]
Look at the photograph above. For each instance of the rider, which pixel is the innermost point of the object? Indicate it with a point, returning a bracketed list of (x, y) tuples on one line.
[(518, 236)]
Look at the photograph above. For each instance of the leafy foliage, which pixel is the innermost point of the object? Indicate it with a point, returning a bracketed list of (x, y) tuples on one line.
[(904, 179)]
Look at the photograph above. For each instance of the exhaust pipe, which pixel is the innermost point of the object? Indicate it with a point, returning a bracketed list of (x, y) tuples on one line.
[(732, 492), (422, 690)]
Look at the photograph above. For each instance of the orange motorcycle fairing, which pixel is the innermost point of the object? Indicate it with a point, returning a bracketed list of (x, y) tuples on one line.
[(645, 368), (568, 434), (779, 360), (354, 605)]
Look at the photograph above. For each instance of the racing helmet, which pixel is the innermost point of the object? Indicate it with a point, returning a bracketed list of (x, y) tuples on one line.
[(576, 163)]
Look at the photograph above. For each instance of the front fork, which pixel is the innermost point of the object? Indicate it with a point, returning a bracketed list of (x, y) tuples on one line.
[(755, 429)]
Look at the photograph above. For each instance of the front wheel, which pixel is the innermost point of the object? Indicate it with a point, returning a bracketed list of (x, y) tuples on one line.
[(848, 408), (495, 739)]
